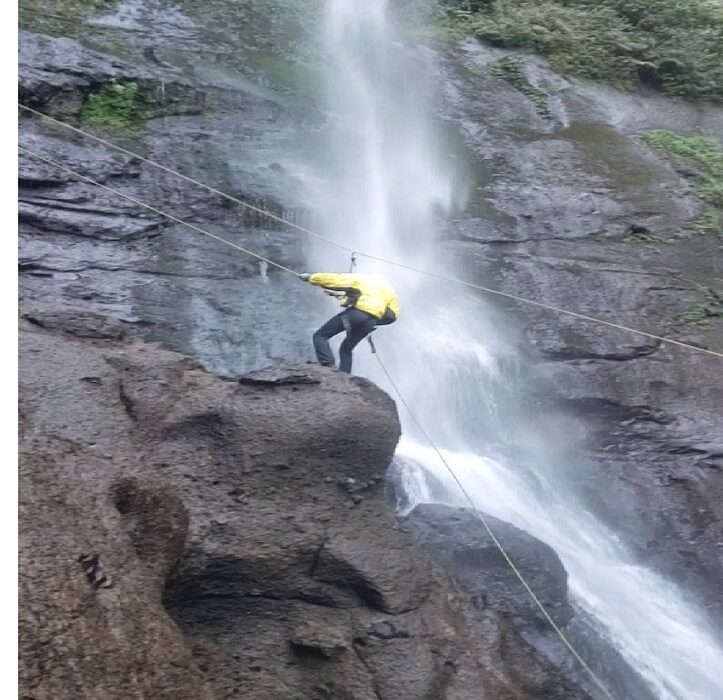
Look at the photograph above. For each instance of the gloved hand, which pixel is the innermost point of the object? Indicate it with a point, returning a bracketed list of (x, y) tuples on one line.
[(304, 276)]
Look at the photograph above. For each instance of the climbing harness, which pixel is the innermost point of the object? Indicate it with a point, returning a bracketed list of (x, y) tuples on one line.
[(345, 321), (428, 273)]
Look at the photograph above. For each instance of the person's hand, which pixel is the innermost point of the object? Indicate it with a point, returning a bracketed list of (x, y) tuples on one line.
[(304, 276)]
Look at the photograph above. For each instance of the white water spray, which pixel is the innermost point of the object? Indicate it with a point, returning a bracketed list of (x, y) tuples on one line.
[(385, 181)]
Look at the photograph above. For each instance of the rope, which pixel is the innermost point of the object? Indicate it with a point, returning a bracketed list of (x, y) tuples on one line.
[(155, 210), (165, 168), (445, 278), (540, 605), (497, 543)]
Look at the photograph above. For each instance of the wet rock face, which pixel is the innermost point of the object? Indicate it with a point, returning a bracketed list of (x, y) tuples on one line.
[(290, 579), (57, 73), (95, 251), (565, 198), (461, 545), (193, 537), (90, 615)]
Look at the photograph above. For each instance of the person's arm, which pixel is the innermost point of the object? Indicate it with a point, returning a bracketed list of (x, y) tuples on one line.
[(340, 286), (331, 280)]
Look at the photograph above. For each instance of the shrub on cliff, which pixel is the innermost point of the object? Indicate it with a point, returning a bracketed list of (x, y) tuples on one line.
[(675, 45), (705, 156)]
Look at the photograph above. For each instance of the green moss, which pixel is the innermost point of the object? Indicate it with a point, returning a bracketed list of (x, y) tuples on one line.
[(117, 107), (280, 39), (710, 221), (62, 17), (711, 307), (283, 72), (511, 70), (676, 45), (705, 156), (703, 151), (641, 237)]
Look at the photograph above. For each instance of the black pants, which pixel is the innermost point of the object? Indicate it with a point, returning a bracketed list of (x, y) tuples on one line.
[(360, 325)]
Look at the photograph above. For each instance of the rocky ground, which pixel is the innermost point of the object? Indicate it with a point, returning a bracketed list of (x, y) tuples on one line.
[(187, 536), (260, 570)]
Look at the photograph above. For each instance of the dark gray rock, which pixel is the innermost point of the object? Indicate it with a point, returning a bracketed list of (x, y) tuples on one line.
[(56, 73), (572, 195), (82, 244), (83, 324), (346, 561), (460, 544), (279, 587)]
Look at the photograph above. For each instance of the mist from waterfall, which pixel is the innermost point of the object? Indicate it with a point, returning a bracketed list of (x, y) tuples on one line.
[(384, 187)]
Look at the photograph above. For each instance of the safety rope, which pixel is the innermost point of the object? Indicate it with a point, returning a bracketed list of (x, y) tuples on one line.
[(497, 543), (165, 168), (494, 539), (313, 234), (154, 209)]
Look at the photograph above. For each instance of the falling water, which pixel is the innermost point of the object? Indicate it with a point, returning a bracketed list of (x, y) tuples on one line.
[(384, 183)]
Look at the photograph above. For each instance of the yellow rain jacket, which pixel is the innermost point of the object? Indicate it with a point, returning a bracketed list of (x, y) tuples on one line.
[(369, 293)]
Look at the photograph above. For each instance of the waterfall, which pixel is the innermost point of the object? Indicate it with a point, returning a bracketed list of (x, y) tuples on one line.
[(384, 183)]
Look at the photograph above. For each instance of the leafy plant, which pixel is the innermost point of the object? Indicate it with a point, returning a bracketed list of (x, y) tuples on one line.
[(64, 17), (119, 107), (676, 45), (710, 221), (711, 307), (705, 156), (511, 70)]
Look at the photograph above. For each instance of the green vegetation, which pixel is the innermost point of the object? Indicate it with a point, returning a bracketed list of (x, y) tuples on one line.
[(512, 71), (675, 45), (63, 17), (117, 107), (710, 221), (67, 7), (705, 157), (281, 39), (711, 307)]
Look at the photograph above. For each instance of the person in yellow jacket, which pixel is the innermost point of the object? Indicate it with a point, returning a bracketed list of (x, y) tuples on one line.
[(368, 300)]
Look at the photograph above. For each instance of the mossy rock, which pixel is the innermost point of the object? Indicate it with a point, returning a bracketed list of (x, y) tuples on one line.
[(676, 45), (117, 107), (703, 156), (511, 69), (61, 17), (711, 306)]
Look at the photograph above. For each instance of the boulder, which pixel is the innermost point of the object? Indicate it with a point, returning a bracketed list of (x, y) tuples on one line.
[(188, 536), (457, 540), (90, 618)]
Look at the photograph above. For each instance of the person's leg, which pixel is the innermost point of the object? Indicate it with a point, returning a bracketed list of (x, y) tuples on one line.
[(362, 324), (321, 340)]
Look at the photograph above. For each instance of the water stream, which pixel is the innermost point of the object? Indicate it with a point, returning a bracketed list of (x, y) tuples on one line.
[(384, 186)]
